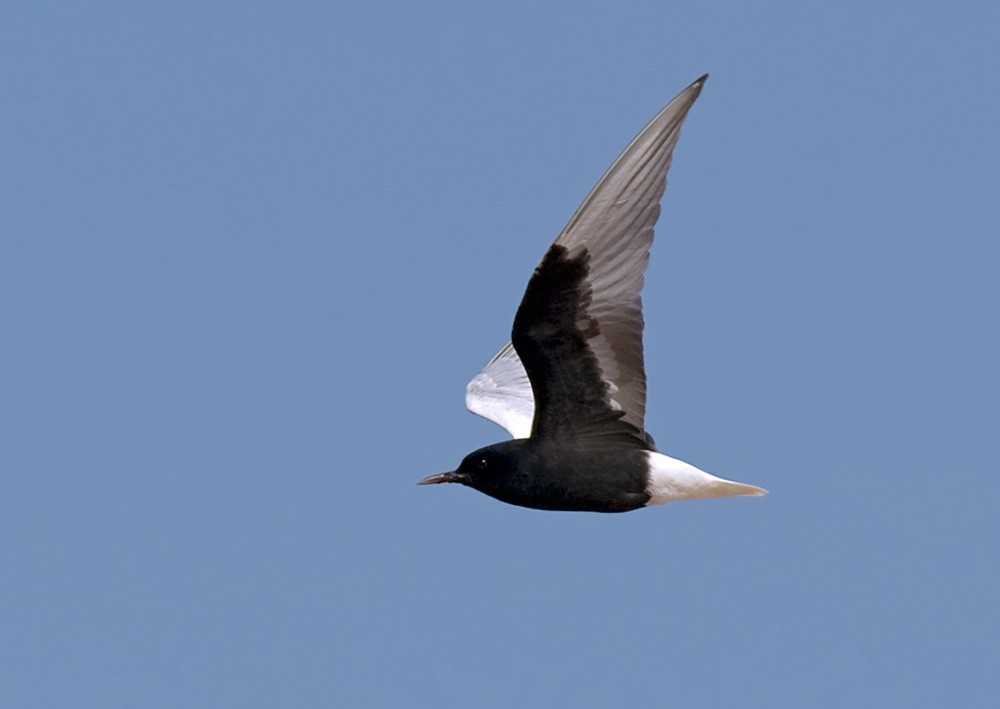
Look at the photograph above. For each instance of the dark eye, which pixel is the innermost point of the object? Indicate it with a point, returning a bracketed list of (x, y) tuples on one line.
[(481, 463)]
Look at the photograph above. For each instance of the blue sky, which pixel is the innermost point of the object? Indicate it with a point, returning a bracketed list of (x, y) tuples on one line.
[(251, 253)]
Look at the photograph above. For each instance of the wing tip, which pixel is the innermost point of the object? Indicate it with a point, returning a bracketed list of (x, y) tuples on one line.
[(696, 86)]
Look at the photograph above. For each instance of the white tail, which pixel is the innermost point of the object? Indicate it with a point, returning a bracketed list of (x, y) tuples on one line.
[(671, 479)]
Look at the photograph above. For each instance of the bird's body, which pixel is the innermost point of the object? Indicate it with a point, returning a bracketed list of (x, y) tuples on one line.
[(570, 386), (545, 475)]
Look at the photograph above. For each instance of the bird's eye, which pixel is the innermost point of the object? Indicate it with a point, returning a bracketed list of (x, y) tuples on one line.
[(481, 463)]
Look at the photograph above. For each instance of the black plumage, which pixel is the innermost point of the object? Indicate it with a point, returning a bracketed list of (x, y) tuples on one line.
[(571, 386)]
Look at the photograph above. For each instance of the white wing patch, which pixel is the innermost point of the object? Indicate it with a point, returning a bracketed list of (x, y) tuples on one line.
[(502, 393)]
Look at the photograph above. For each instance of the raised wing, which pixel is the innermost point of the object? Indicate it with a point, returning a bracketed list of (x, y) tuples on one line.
[(578, 330), (502, 393)]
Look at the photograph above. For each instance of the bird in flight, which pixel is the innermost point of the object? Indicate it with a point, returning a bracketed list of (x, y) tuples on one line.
[(570, 386)]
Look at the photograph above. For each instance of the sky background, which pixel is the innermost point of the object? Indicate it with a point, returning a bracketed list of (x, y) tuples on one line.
[(251, 253)]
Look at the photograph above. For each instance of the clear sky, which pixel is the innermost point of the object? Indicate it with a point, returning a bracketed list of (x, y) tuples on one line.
[(250, 254)]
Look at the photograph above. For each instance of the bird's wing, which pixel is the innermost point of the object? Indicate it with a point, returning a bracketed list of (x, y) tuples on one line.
[(578, 329), (502, 393)]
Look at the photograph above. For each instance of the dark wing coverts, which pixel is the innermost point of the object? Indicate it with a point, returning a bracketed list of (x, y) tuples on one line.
[(578, 330)]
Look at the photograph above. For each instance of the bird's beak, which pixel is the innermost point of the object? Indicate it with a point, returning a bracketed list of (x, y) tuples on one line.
[(452, 477)]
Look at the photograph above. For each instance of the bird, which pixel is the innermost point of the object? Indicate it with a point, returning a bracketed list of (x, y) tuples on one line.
[(570, 385)]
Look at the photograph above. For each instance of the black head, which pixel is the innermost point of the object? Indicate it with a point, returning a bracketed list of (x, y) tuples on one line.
[(490, 469)]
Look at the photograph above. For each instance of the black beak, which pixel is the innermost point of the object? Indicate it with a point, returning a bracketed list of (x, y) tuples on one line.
[(452, 477)]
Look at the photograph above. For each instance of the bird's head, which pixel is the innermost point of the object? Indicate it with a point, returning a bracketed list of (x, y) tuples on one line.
[(488, 469)]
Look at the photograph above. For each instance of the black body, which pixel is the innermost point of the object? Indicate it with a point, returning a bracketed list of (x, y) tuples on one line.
[(541, 474)]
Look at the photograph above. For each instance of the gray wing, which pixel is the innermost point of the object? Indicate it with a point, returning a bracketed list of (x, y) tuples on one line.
[(613, 231), (502, 393)]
